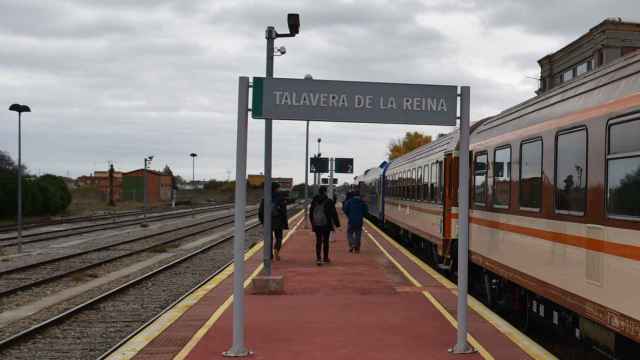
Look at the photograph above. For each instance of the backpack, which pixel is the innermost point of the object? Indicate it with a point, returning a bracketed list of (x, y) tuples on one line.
[(276, 209), (319, 215)]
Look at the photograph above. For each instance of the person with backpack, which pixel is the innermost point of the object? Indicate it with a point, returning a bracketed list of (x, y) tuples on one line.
[(355, 209), (323, 219), (279, 221)]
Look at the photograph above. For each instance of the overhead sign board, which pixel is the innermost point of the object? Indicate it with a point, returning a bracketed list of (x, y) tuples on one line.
[(354, 101), (319, 165), (343, 165), (325, 181)]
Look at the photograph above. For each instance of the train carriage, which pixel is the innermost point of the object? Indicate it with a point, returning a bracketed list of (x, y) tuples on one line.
[(555, 198), (417, 199), (371, 187), (555, 206)]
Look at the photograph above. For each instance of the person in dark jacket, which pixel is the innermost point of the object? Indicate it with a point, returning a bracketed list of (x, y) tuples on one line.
[(355, 209), (279, 221), (323, 219)]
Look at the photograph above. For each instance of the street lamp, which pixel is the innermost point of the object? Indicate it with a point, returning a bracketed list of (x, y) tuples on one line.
[(306, 169), (147, 161), (19, 109), (293, 23), (193, 167), (238, 348), (318, 174)]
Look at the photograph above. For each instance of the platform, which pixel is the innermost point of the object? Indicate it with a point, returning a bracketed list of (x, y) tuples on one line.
[(383, 303)]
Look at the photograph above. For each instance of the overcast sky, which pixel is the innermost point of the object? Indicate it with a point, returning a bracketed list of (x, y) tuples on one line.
[(117, 80)]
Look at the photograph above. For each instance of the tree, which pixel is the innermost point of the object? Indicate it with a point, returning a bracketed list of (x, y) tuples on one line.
[(6, 162), (410, 141), (167, 170)]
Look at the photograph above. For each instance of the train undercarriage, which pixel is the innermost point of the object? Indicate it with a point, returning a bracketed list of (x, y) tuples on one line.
[(560, 330)]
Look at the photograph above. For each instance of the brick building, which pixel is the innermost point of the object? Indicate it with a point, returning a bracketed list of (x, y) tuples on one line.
[(158, 186), (604, 43), (101, 181)]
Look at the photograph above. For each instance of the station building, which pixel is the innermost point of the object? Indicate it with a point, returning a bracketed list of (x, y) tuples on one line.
[(611, 39), (158, 186)]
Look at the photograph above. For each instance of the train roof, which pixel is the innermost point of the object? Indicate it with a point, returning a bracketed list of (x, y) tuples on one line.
[(372, 173), (444, 144), (612, 81)]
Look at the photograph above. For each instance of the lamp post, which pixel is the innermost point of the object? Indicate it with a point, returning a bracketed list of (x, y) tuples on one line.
[(238, 347), (318, 174), (147, 160), (193, 167), (306, 170), (293, 22), (19, 109)]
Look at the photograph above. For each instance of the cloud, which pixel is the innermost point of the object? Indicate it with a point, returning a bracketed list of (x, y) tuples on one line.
[(120, 80)]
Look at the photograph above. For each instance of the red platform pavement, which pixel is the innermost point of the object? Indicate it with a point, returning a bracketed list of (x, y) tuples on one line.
[(379, 304)]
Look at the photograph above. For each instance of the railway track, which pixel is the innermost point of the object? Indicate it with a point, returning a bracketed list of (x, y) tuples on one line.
[(80, 230), (93, 218), (12, 280), (97, 318), (111, 315)]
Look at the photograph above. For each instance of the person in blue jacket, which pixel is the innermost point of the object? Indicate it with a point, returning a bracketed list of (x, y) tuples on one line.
[(355, 209)]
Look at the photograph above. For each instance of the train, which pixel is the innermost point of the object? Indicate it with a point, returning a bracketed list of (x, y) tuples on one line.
[(554, 207)]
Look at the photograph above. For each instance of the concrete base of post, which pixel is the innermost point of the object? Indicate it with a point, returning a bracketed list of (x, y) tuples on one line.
[(267, 285), (237, 353), (463, 350)]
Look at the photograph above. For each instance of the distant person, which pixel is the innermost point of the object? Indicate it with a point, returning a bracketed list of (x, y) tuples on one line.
[(279, 221), (355, 209), (323, 218)]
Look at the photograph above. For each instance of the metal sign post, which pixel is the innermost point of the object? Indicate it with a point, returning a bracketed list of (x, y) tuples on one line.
[(462, 347), (350, 101), (238, 348), (331, 169)]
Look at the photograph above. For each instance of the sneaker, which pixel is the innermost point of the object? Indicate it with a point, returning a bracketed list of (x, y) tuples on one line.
[(350, 249), (319, 262), (326, 261), (277, 255)]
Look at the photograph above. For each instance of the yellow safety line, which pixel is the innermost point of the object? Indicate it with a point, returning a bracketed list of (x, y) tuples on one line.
[(524, 342), (195, 339), (129, 349), (481, 350)]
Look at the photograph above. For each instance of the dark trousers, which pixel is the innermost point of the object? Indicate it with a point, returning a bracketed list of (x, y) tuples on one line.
[(277, 235), (322, 244), (354, 233)]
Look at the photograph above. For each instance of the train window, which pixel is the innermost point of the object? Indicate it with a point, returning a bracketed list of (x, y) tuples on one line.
[(623, 170), (412, 181), (571, 174), (432, 182), (440, 182), (502, 177), (480, 179), (415, 184), (419, 184), (405, 187), (531, 174), (425, 184)]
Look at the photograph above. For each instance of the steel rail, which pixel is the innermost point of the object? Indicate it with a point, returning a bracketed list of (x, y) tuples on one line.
[(30, 284), (107, 246), (106, 216), (81, 230), (62, 316)]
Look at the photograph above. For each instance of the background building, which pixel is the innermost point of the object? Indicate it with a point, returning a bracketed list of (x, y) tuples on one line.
[(604, 43), (158, 186)]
